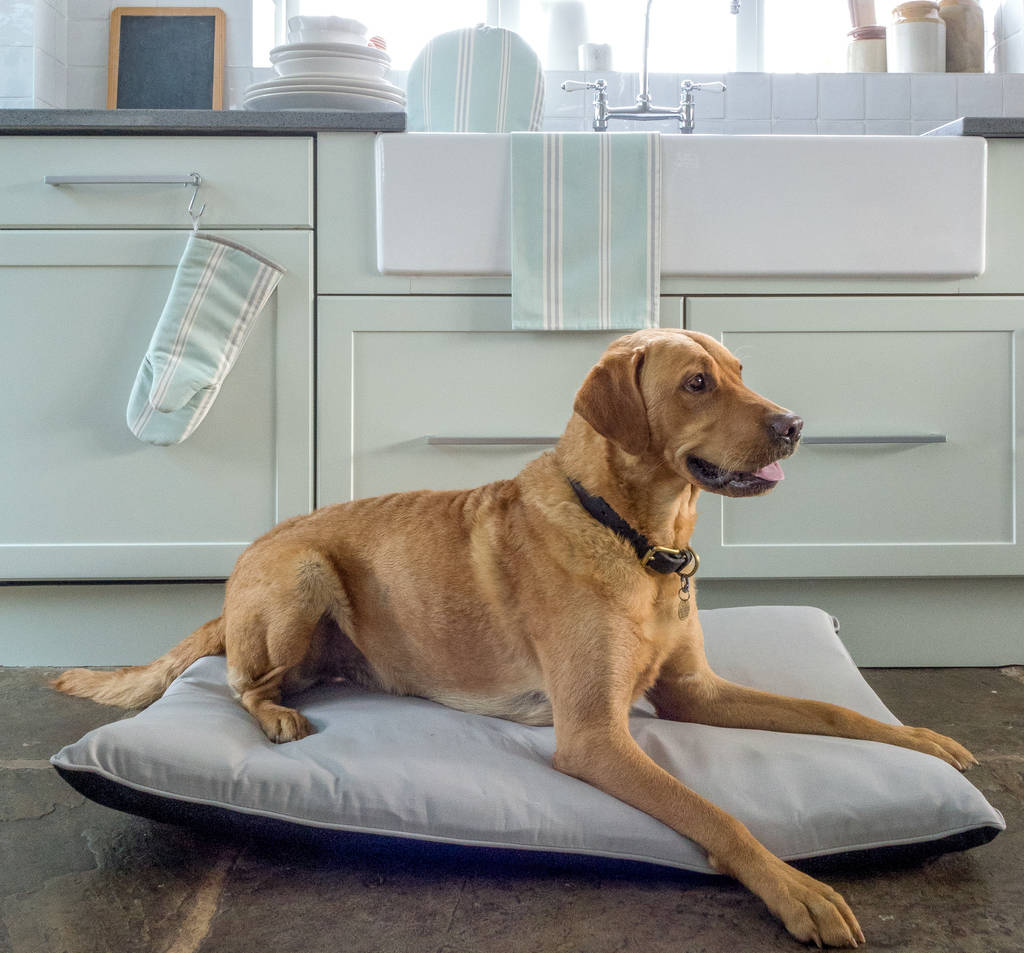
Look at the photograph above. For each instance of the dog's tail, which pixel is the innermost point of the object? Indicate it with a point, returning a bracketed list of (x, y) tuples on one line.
[(138, 685)]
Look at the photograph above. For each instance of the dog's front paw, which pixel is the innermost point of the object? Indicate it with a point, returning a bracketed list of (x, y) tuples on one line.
[(931, 742), (282, 724), (812, 911)]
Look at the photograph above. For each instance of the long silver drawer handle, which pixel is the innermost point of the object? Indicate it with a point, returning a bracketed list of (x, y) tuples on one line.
[(878, 438), (435, 441), (193, 178)]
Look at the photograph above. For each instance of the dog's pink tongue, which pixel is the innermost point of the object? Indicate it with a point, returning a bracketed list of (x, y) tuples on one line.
[(772, 472)]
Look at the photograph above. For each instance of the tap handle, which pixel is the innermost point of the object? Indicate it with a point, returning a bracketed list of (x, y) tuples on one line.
[(572, 85), (687, 84)]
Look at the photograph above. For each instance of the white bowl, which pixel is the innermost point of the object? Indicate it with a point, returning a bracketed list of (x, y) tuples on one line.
[(326, 30), (336, 65), (321, 99)]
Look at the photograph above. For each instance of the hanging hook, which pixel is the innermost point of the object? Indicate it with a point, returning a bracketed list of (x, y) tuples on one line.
[(197, 181)]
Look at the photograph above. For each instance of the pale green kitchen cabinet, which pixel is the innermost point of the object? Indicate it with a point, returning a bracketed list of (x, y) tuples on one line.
[(84, 273), (911, 460), (439, 392)]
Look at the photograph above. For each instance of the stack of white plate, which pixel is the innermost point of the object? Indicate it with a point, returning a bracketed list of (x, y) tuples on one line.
[(327, 64)]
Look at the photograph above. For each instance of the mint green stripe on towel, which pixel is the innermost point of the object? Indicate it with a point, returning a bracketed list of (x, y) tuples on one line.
[(586, 230)]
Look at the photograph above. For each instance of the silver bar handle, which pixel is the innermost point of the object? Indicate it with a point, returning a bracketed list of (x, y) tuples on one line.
[(436, 441), (876, 438), (193, 178)]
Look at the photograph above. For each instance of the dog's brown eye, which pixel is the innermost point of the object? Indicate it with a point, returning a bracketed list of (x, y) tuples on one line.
[(697, 383)]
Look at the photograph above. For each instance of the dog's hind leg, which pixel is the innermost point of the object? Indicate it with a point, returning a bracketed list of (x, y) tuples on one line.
[(272, 628)]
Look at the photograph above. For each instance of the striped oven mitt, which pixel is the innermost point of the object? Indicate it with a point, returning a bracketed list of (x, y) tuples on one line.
[(219, 289)]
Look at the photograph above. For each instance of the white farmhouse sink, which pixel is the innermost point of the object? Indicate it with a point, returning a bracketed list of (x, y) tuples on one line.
[(859, 206)]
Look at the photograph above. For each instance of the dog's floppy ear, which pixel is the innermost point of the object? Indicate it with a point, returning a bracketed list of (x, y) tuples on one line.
[(611, 402)]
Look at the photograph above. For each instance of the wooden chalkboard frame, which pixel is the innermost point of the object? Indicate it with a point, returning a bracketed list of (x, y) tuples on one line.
[(217, 66)]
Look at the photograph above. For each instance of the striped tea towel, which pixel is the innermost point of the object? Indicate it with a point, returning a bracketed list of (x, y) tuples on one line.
[(586, 230), (218, 291), (484, 79)]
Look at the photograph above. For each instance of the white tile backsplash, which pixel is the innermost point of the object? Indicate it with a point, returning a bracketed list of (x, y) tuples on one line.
[(976, 96), (794, 96), (841, 96), (887, 95), (748, 96), (932, 96)]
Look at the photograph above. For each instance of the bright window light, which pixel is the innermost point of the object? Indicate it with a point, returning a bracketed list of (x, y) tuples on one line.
[(808, 36)]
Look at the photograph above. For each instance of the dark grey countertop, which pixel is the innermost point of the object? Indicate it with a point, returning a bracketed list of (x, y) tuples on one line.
[(994, 127), (23, 122)]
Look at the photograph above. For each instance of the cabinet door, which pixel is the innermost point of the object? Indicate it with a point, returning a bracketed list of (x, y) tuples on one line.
[(81, 497), (394, 372), (910, 463)]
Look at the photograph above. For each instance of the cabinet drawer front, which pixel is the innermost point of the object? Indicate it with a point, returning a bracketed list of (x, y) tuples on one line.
[(909, 460), (393, 372), (83, 498), (248, 181)]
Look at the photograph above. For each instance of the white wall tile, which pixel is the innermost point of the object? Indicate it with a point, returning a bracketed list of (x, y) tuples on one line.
[(840, 127), (87, 87), (979, 95), (1009, 54), (45, 28), (557, 102), (88, 42), (747, 127), (237, 79), (932, 96), (887, 96), (749, 96), (794, 127), (1009, 18), (7, 103), (841, 96), (887, 127), (622, 88), (794, 96), (17, 22), (664, 89), (1013, 95), (16, 72), (45, 79), (918, 127)]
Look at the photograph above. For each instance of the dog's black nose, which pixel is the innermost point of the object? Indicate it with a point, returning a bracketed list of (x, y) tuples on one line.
[(786, 427)]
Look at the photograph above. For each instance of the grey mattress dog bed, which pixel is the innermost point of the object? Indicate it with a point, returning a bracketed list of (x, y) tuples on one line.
[(410, 768)]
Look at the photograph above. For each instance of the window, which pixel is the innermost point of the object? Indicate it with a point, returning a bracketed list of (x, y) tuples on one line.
[(696, 36)]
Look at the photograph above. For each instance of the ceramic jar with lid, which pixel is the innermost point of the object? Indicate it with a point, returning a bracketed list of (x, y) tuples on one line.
[(916, 41), (965, 35), (866, 51)]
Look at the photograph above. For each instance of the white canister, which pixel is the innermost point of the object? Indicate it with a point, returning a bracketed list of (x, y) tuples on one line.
[(916, 41), (866, 52), (595, 57), (567, 31)]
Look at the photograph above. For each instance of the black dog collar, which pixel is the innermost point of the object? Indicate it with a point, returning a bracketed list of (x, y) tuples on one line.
[(658, 558)]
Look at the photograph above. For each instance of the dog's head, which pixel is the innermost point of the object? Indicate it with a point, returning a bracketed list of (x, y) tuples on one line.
[(679, 396)]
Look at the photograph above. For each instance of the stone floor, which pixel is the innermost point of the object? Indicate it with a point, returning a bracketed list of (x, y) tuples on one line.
[(79, 878)]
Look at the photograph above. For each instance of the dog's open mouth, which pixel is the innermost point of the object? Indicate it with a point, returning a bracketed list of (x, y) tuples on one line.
[(735, 482)]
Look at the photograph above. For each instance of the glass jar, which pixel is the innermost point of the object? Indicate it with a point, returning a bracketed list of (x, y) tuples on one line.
[(917, 38)]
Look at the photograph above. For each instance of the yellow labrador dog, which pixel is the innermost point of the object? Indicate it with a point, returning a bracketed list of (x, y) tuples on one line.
[(560, 596)]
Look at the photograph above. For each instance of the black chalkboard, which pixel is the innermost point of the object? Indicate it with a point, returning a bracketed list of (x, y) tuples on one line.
[(166, 58)]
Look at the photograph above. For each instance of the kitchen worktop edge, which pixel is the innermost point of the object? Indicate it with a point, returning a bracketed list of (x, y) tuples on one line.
[(194, 121)]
